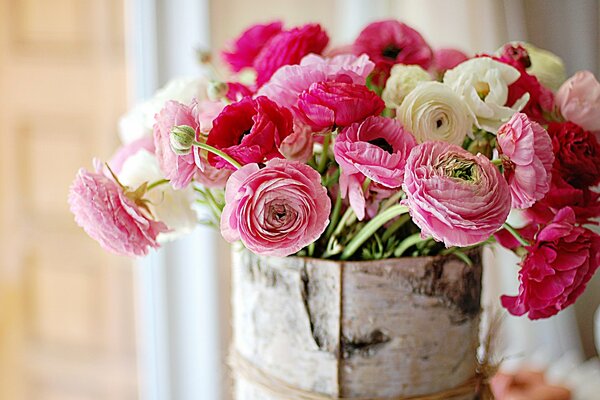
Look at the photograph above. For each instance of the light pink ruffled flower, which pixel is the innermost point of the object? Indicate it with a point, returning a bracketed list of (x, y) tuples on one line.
[(526, 150), (579, 100), (276, 210), (559, 264), (456, 197), (289, 81), (376, 148), (112, 218), (126, 151), (178, 169), (298, 146), (326, 105)]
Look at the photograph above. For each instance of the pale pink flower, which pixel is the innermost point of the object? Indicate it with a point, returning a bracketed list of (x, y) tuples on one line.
[(376, 148), (579, 100), (178, 169), (109, 216), (298, 145), (276, 210), (126, 151), (526, 150), (456, 197), (289, 81)]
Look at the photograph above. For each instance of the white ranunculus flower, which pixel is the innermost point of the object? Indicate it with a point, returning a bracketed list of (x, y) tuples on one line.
[(483, 83), (432, 111), (173, 207), (403, 79), (546, 66), (138, 121)]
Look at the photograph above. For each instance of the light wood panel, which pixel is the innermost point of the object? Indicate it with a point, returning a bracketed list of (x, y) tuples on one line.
[(66, 307)]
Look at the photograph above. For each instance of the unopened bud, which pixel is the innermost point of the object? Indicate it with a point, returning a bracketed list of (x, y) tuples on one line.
[(182, 139), (217, 90)]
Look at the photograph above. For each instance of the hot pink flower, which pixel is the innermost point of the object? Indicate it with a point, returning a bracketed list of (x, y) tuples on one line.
[(179, 169), (250, 131), (453, 195), (447, 58), (237, 91), (526, 149), (376, 148), (248, 45), (326, 105), (288, 48), (579, 100), (276, 210), (289, 81), (392, 42), (557, 268), (105, 212)]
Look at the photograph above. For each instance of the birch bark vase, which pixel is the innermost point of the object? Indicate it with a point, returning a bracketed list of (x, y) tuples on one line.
[(369, 329)]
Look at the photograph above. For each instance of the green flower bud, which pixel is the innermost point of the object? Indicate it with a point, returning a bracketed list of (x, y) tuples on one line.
[(182, 139)]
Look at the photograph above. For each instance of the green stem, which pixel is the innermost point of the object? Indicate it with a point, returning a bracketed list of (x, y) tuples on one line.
[(157, 183), (394, 227), (335, 215), (366, 184), (371, 227), (212, 199), (391, 201), (497, 161), (324, 154), (219, 153), (407, 243), (516, 234)]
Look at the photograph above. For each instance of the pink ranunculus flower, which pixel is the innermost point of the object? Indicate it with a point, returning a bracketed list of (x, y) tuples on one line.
[(447, 58), (376, 148), (180, 170), (326, 105), (579, 100), (124, 152), (298, 146), (276, 210), (108, 215), (247, 46), (289, 81), (288, 48), (526, 150), (559, 264), (454, 196)]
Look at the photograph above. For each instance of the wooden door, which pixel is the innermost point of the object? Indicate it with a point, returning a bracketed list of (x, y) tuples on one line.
[(66, 307)]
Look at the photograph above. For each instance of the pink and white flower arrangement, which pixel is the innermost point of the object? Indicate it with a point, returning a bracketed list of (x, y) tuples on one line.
[(382, 148)]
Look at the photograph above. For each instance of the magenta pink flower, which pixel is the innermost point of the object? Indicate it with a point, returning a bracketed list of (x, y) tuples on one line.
[(557, 268), (579, 100), (250, 131), (112, 218), (392, 42), (288, 48), (289, 81), (526, 150), (179, 169), (376, 148), (447, 58), (276, 210), (456, 197), (326, 105), (247, 46)]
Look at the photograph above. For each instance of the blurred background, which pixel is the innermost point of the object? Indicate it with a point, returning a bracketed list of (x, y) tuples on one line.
[(76, 323)]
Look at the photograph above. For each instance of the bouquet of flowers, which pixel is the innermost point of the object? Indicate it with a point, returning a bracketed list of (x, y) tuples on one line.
[(383, 148)]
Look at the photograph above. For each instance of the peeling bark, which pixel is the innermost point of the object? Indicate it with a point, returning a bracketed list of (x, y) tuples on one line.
[(357, 329)]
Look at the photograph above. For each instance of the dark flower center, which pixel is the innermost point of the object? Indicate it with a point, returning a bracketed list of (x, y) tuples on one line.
[(246, 132), (382, 144), (391, 51)]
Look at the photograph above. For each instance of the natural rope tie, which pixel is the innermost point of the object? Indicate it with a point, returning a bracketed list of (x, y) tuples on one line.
[(245, 369)]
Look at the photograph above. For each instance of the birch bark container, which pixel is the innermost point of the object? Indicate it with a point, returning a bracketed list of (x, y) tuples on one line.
[(369, 329)]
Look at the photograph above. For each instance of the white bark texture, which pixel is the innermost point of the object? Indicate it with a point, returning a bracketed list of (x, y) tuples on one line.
[(389, 328)]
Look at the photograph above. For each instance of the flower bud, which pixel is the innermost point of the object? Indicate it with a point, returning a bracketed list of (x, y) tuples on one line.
[(182, 139), (217, 90)]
